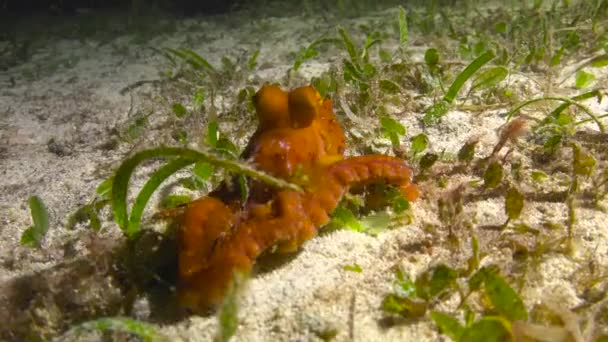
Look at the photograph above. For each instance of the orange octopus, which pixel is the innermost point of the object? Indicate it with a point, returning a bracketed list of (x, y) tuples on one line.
[(300, 140)]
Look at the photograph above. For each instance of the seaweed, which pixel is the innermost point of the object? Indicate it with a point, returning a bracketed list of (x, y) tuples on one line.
[(34, 235), (183, 157)]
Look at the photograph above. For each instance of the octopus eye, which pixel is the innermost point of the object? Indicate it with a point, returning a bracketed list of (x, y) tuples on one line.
[(271, 104), (303, 106)]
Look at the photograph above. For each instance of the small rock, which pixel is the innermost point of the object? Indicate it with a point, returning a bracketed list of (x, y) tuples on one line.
[(58, 148)]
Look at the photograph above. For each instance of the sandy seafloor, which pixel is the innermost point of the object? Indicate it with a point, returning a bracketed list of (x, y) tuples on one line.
[(78, 104)]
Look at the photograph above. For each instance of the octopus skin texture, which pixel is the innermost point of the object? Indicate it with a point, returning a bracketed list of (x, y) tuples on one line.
[(296, 131), (300, 140)]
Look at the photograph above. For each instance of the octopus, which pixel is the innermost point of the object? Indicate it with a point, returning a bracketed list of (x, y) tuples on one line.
[(298, 139)]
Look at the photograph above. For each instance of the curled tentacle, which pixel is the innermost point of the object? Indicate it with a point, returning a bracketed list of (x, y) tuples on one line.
[(294, 220), (238, 250), (335, 181)]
